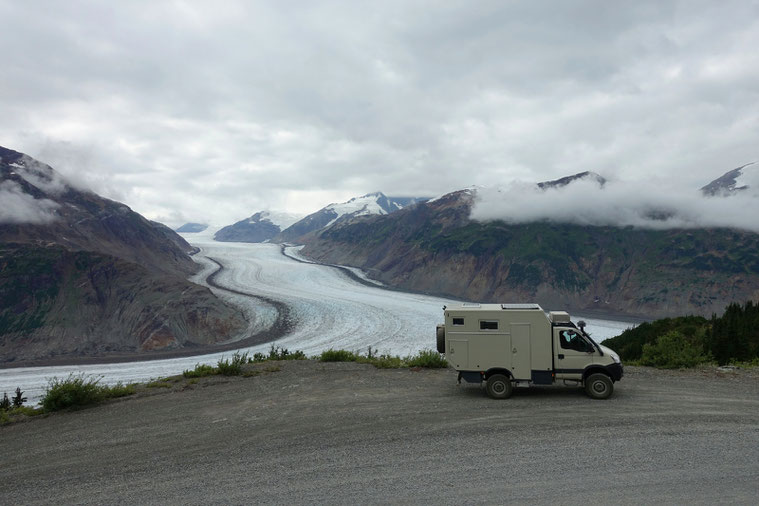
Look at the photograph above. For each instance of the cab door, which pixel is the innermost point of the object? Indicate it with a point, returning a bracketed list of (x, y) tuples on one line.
[(572, 353)]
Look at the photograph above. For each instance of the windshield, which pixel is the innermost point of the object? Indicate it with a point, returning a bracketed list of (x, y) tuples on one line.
[(581, 328), (589, 338)]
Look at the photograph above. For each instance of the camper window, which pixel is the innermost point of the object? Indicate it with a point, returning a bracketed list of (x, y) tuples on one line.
[(488, 325), (458, 321)]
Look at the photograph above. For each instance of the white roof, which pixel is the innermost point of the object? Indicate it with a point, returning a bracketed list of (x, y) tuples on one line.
[(467, 306)]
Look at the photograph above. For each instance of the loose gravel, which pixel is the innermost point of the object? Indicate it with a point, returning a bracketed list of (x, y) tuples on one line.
[(345, 433)]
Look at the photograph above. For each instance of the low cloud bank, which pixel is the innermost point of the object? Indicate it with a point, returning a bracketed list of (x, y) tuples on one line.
[(20, 207), (618, 203)]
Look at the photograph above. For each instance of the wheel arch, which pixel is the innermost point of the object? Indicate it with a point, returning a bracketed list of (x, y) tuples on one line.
[(593, 369), (498, 370)]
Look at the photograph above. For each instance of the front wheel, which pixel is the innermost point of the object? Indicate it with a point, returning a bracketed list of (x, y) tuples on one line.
[(499, 386), (598, 386)]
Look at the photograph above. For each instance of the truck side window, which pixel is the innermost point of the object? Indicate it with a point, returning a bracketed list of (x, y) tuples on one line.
[(458, 321), (571, 340), (488, 325)]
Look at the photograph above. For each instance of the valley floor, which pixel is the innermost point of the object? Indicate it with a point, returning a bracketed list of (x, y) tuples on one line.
[(345, 433)]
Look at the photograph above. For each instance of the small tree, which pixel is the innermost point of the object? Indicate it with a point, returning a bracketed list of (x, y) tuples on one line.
[(5, 404), (18, 400)]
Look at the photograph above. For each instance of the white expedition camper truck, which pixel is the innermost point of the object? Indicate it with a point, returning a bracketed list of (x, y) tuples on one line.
[(509, 345)]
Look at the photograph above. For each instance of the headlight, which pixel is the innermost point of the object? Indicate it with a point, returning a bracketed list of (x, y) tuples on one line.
[(615, 358)]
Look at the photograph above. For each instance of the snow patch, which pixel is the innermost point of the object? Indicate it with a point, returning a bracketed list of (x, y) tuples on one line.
[(358, 206)]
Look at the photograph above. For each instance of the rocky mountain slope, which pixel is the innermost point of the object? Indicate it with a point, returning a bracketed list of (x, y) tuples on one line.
[(734, 181), (261, 227), (367, 205), (192, 228), (435, 247), (83, 275)]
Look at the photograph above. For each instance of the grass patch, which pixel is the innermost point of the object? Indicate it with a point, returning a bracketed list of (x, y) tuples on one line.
[(80, 390), (424, 358), (159, 383), (14, 414)]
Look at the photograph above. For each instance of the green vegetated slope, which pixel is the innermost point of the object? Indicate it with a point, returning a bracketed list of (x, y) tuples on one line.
[(436, 248), (56, 302), (689, 340)]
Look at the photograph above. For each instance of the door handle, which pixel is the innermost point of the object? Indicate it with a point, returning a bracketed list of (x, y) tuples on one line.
[(561, 355)]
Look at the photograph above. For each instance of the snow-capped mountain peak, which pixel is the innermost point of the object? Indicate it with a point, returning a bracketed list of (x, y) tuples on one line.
[(371, 203)]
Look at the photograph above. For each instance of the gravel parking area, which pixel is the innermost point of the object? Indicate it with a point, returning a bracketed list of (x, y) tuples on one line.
[(344, 433)]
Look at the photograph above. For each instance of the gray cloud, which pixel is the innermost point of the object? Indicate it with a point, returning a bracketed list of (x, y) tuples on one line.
[(653, 204), (194, 111), (20, 207)]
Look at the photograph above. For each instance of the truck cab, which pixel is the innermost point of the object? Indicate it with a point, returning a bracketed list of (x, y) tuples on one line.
[(518, 345)]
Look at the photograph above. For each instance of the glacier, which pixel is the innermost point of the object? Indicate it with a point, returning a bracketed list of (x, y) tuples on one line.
[(329, 308)]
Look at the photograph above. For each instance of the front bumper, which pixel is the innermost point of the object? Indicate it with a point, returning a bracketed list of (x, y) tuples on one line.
[(616, 371)]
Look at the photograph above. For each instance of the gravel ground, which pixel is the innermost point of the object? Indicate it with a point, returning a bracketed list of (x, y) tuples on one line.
[(348, 433)]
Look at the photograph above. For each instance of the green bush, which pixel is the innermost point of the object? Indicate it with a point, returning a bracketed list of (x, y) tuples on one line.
[(425, 358), (80, 390), (672, 351), (428, 358), (232, 367), (331, 355)]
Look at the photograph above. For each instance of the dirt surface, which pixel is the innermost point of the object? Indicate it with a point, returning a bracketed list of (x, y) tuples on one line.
[(352, 434)]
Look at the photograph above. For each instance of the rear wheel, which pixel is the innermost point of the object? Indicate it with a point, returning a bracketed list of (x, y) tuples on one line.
[(499, 386), (598, 386)]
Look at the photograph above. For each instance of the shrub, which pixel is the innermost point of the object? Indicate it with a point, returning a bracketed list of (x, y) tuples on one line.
[(384, 361), (70, 392), (331, 355), (232, 367), (200, 371), (5, 404), (80, 390), (428, 358), (673, 350), (277, 353)]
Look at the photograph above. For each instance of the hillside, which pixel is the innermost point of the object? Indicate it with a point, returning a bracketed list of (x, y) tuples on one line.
[(86, 276), (435, 247)]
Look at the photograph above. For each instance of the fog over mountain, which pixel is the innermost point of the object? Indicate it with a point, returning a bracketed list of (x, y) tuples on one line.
[(195, 112), (647, 204)]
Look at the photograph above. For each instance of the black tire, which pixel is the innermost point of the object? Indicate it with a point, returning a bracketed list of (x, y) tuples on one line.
[(499, 386), (599, 386), (441, 338)]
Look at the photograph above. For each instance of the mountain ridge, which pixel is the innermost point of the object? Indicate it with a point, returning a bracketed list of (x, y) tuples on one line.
[(86, 276), (436, 248)]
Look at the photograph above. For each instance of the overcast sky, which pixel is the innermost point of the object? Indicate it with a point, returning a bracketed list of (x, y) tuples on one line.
[(211, 111)]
